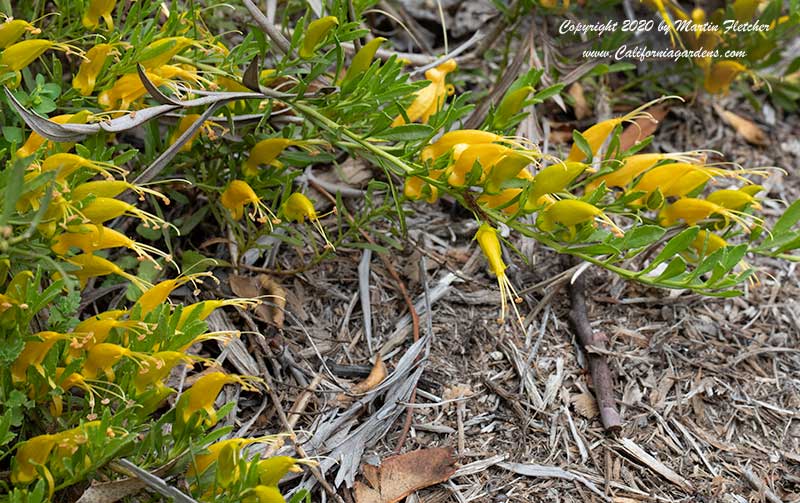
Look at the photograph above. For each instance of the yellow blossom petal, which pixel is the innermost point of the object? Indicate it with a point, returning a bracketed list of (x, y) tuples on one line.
[(96, 10), (91, 67), (431, 98)]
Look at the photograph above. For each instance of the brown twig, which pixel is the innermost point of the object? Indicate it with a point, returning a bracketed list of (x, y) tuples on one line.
[(598, 366)]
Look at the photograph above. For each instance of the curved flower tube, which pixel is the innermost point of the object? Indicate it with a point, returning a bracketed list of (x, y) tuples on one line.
[(238, 194), (571, 213), (598, 134), (316, 33), (12, 29), (490, 246), (298, 207), (430, 99), (91, 67), (96, 10)]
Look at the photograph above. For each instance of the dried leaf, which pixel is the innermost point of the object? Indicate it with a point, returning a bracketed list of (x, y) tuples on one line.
[(657, 466), (109, 492), (585, 405), (375, 377), (581, 108), (642, 128), (250, 77), (549, 472), (746, 128), (399, 476), (251, 287)]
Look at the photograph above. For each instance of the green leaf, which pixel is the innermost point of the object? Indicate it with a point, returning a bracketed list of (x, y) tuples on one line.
[(582, 144), (676, 266), (674, 246), (640, 236), (708, 263), (787, 220), (548, 92), (604, 68), (14, 183), (407, 132)]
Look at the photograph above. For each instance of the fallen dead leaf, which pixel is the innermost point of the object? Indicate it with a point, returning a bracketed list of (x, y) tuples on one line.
[(375, 377), (251, 287), (399, 476), (585, 405), (642, 128), (746, 128), (580, 107)]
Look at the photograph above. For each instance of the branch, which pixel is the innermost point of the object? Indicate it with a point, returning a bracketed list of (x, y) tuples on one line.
[(601, 375), (272, 32)]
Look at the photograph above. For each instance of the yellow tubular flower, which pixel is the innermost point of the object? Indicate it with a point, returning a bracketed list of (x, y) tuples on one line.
[(465, 157), (238, 194), (184, 124), (202, 462), (17, 56), (362, 59), (298, 207), (490, 245), (90, 238), (430, 99), (103, 209), (91, 67), (692, 210), (415, 188), (111, 189), (33, 354), (265, 153), (634, 165), (598, 134), (201, 396), (315, 34), (159, 52), (96, 10), (12, 29), (66, 164), (103, 357), (459, 136), (129, 88), (553, 179), (126, 90), (35, 141), (158, 294), (721, 75), (97, 330), (92, 266), (495, 201), (571, 213), (156, 367), (265, 494), (734, 199), (202, 310), (678, 179), (273, 469), (32, 453)]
